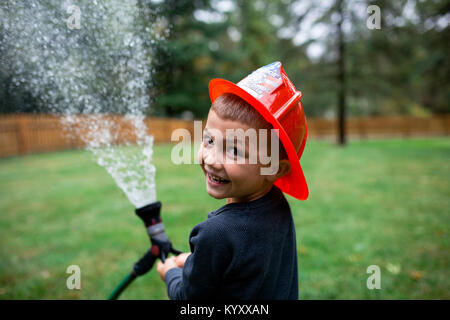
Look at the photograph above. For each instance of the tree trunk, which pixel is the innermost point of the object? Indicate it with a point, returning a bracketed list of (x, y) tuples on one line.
[(341, 78)]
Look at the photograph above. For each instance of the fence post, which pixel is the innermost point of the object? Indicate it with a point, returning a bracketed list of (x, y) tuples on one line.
[(446, 120), (22, 137), (362, 128)]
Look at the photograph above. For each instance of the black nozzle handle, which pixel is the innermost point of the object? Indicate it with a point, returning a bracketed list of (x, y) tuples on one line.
[(145, 263)]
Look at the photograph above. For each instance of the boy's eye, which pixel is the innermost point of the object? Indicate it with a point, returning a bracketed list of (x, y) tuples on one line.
[(208, 140), (235, 152)]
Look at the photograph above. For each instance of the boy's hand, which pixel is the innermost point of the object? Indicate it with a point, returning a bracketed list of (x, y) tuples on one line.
[(172, 262), (181, 259), (162, 268)]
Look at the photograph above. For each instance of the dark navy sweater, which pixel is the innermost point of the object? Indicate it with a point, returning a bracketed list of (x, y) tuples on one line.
[(242, 251)]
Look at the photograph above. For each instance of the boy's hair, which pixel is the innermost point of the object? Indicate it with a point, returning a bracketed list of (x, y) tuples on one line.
[(231, 107)]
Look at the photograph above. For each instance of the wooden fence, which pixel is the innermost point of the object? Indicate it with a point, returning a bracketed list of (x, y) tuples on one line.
[(24, 134)]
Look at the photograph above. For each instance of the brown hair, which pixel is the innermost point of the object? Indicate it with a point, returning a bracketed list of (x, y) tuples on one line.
[(231, 107)]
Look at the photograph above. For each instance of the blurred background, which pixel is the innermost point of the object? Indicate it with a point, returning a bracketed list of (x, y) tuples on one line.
[(375, 82)]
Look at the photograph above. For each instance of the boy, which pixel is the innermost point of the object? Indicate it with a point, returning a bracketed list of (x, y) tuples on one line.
[(247, 248)]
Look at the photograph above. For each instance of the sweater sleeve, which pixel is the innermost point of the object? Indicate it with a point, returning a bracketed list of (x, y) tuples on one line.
[(205, 267)]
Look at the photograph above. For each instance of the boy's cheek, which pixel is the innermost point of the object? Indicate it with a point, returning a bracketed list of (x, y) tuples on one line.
[(200, 156)]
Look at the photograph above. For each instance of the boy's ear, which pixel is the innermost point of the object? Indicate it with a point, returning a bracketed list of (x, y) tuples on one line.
[(284, 167)]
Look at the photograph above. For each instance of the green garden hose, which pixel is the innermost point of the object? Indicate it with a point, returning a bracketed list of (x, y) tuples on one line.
[(122, 286)]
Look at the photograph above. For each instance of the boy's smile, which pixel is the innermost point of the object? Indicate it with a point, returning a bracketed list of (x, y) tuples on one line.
[(226, 176)]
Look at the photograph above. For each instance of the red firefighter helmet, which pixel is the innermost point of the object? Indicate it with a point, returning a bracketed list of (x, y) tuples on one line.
[(269, 90)]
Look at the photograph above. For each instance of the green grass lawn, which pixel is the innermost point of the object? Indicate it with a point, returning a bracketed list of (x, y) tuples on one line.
[(382, 203)]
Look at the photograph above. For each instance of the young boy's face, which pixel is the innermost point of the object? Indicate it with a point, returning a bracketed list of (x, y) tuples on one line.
[(241, 182)]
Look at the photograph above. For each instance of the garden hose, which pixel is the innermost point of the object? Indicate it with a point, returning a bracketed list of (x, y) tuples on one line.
[(122, 286), (161, 246)]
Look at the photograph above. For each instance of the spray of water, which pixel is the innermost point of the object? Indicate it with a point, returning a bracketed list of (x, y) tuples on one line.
[(88, 60)]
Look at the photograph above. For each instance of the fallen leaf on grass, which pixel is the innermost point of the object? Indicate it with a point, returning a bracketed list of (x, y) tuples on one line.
[(416, 275), (393, 268), (45, 274)]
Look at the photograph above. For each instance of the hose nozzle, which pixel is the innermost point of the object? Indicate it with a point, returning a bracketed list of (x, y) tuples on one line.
[(151, 216)]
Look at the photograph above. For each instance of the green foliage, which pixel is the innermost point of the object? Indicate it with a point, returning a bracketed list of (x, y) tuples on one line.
[(402, 66), (400, 69), (376, 202)]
